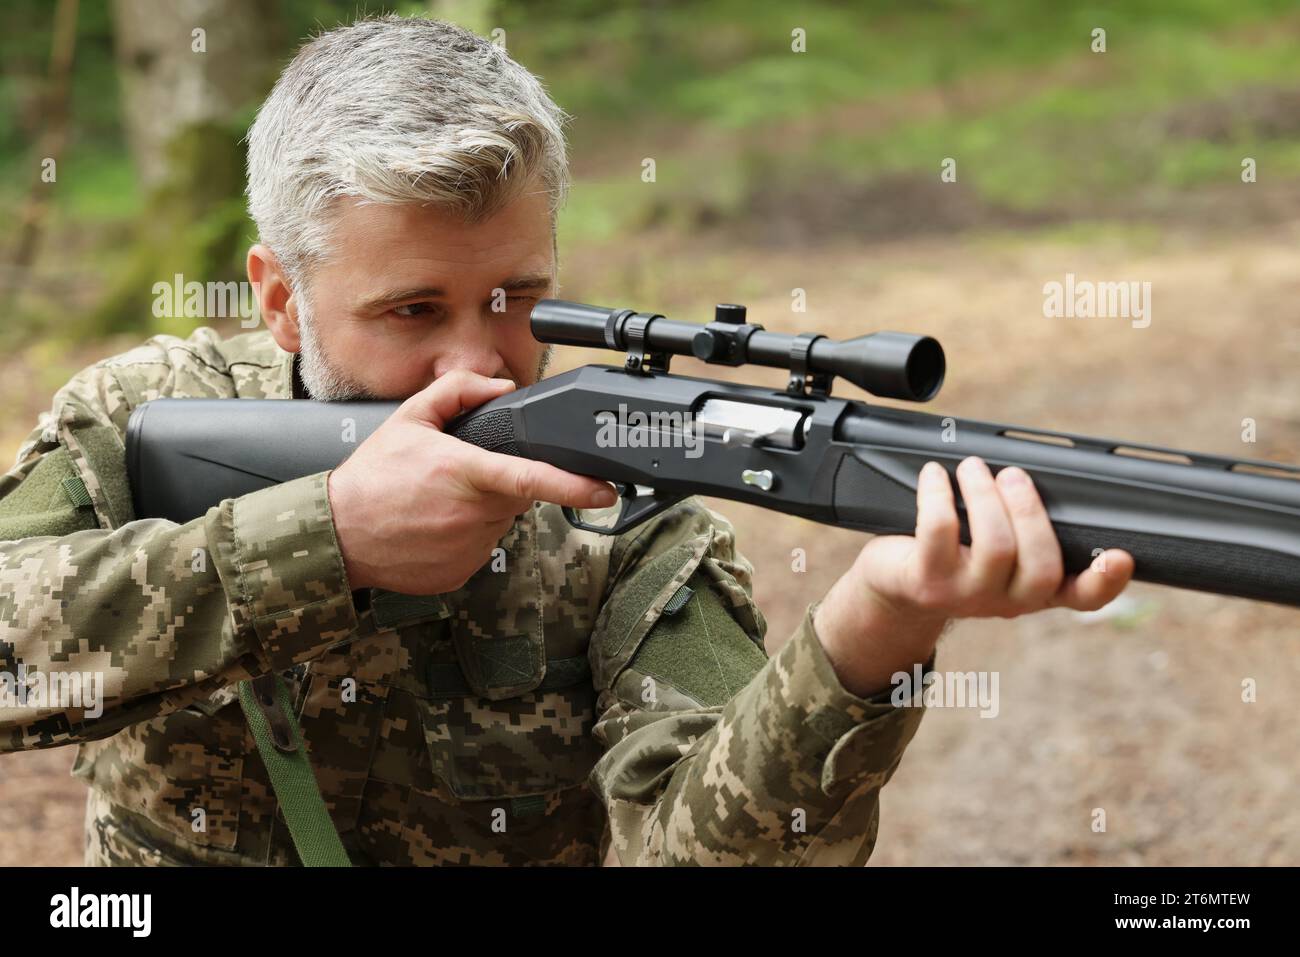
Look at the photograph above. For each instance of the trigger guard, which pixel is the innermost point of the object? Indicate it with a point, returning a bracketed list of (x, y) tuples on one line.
[(635, 510)]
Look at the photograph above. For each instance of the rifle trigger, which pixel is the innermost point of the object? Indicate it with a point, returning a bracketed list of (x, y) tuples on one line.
[(639, 504)]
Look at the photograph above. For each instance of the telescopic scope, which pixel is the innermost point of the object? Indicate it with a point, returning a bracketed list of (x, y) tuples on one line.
[(894, 365)]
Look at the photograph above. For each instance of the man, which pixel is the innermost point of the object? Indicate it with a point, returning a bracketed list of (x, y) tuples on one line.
[(475, 681)]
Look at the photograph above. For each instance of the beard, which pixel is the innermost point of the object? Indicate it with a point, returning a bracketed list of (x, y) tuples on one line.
[(326, 382), (323, 380), (544, 362)]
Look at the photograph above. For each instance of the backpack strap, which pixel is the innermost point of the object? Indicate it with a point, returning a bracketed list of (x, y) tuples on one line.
[(265, 701)]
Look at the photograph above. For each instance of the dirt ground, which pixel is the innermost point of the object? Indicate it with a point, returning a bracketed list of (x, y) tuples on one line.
[(1140, 715)]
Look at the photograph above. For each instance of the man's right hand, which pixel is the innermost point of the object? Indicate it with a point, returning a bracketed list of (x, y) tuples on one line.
[(419, 512)]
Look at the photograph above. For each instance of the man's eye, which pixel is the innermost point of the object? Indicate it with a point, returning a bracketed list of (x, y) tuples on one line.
[(413, 309)]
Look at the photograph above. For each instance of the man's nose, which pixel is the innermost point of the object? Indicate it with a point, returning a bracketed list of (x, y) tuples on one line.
[(469, 345)]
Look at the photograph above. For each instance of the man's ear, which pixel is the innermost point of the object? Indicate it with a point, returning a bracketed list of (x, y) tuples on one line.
[(274, 296)]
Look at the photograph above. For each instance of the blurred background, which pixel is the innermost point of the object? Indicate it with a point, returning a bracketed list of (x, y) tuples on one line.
[(1165, 149)]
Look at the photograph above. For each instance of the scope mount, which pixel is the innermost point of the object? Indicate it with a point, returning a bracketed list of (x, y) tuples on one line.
[(641, 358), (805, 381), (723, 341)]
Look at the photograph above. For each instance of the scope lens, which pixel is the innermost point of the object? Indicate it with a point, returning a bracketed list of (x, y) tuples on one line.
[(925, 369)]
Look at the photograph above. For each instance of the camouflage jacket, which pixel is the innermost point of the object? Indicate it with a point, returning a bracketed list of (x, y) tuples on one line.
[(584, 690)]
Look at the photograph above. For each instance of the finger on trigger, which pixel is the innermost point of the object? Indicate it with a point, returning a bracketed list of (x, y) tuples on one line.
[(537, 481)]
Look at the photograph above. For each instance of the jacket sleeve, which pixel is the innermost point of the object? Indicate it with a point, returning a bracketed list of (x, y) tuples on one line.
[(106, 621), (715, 754)]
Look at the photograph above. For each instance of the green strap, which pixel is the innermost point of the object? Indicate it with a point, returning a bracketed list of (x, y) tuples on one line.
[(294, 783)]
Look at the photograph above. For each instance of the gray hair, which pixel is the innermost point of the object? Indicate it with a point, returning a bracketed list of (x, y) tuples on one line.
[(397, 110)]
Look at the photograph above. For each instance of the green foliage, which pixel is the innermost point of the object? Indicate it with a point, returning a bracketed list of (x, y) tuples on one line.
[(1064, 143), (886, 89), (194, 224)]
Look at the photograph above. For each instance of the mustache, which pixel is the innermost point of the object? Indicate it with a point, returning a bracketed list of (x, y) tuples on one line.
[(321, 379), (543, 363)]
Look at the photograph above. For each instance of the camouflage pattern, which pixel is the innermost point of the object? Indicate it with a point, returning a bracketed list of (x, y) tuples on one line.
[(580, 692)]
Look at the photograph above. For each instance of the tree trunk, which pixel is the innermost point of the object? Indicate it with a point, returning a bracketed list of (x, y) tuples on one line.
[(192, 73), (173, 79), (31, 217)]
